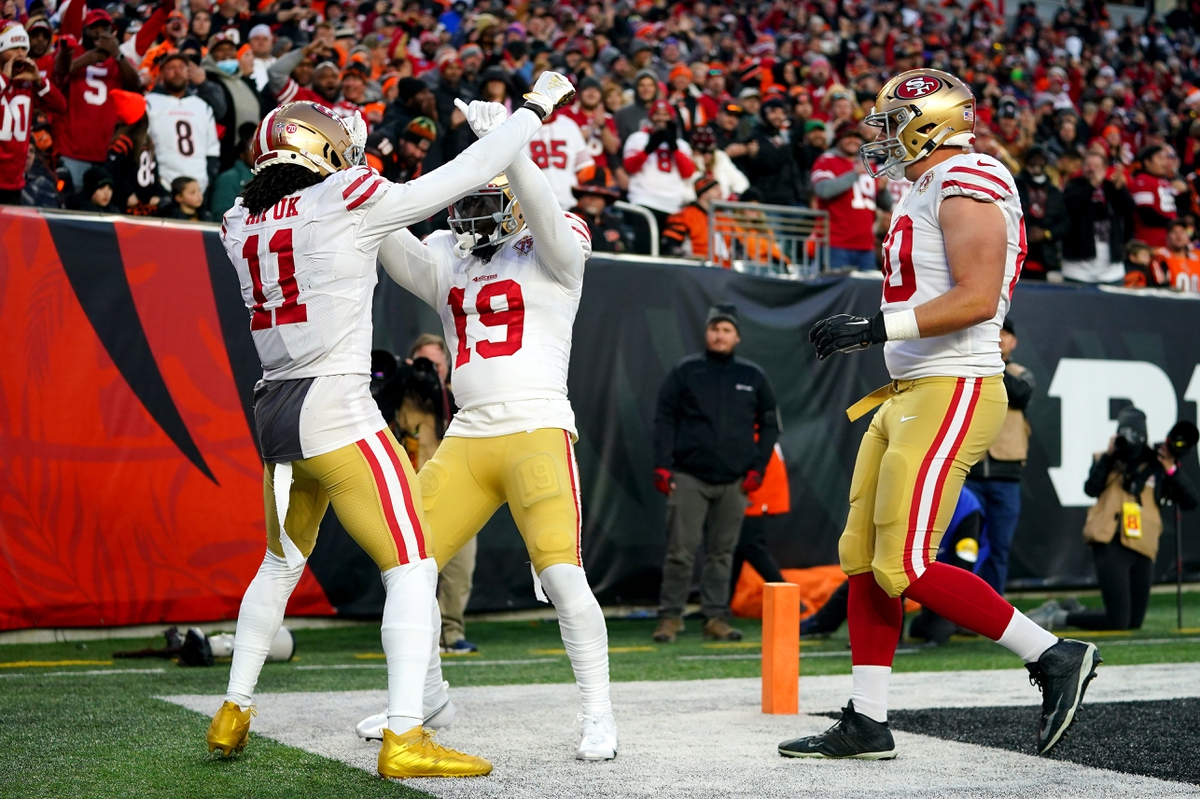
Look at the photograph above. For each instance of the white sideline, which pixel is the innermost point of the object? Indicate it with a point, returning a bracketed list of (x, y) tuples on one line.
[(707, 738)]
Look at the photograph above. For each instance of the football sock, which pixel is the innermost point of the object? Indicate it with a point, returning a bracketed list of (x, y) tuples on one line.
[(435, 686), (875, 621), (584, 633), (963, 598), (870, 690), (406, 632), (1025, 639), (258, 621)]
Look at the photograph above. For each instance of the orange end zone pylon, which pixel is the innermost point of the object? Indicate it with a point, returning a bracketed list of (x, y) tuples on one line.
[(781, 648)]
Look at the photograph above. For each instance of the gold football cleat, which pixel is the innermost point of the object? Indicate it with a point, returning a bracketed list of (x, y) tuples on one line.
[(415, 754), (230, 729)]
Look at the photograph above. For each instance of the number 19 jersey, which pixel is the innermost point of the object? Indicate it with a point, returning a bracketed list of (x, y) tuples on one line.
[(915, 269)]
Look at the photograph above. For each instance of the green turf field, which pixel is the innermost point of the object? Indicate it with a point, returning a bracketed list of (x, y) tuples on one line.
[(76, 723)]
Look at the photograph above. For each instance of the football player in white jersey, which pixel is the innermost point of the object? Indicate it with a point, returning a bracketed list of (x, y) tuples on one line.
[(506, 280), (951, 259), (304, 237)]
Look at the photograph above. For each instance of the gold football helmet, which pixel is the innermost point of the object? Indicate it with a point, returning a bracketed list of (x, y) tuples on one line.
[(487, 217), (918, 111), (309, 135)]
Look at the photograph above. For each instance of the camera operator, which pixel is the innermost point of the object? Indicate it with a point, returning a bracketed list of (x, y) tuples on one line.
[(1131, 481), (418, 404)]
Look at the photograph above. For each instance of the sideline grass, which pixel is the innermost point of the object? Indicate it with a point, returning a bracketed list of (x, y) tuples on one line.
[(91, 730)]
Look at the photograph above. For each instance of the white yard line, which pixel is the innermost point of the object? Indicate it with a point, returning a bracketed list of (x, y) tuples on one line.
[(707, 738)]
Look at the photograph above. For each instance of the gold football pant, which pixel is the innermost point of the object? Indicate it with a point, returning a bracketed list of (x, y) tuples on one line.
[(468, 479), (910, 469), (370, 485)]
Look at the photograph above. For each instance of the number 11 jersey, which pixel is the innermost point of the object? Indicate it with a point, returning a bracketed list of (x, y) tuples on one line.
[(915, 269)]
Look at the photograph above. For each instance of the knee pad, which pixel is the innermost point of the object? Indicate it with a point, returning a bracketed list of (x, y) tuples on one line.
[(567, 587)]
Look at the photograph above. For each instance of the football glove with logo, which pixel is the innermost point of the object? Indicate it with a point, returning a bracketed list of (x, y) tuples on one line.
[(846, 333), (551, 91)]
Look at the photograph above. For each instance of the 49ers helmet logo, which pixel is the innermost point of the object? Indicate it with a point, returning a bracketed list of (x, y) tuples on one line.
[(918, 87)]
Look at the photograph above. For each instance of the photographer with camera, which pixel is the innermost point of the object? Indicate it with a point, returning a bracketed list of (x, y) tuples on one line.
[(418, 403), (1131, 481)]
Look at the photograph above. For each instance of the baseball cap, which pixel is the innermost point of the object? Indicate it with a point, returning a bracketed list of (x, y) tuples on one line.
[(96, 16), (749, 91), (845, 129)]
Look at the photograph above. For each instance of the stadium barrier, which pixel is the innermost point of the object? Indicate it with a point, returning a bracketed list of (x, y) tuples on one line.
[(131, 488), (772, 240)]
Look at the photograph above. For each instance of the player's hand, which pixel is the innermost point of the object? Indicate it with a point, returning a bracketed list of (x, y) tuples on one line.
[(109, 44), (846, 333), (358, 136), (753, 482), (551, 92), (483, 117), (662, 481)]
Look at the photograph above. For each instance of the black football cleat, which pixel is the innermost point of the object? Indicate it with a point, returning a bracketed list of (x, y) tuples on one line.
[(854, 736), (1062, 674)]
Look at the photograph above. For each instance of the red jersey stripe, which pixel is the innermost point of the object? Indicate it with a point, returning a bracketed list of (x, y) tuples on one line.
[(969, 187), (385, 498), (947, 464), (914, 508), (362, 198), (409, 507), (361, 179), (980, 173)]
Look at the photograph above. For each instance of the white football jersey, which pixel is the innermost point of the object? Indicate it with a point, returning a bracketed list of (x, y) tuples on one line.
[(915, 268), (560, 152), (507, 322), (657, 184), (184, 133)]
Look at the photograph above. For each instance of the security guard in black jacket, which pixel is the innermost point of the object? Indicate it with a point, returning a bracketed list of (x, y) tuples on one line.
[(713, 434)]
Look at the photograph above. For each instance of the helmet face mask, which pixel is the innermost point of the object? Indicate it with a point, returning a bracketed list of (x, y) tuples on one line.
[(486, 218), (917, 111)]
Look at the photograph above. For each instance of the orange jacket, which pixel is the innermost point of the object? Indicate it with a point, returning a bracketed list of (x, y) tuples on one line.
[(689, 223), (774, 497)]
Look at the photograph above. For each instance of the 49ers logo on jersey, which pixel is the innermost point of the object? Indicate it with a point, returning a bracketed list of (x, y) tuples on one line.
[(918, 87)]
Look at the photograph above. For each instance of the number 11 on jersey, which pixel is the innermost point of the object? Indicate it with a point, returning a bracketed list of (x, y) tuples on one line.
[(292, 310)]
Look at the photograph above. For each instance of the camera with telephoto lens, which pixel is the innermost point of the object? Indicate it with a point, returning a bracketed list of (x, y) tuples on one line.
[(1180, 440)]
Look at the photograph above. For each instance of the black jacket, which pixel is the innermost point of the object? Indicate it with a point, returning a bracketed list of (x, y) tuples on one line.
[(709, 408), (1020, 391), (1043, 207), (1086, 206), (773, 170)]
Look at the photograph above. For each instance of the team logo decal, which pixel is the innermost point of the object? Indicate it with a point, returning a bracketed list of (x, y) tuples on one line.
[(923, 184), (524, 245), (918, 87)]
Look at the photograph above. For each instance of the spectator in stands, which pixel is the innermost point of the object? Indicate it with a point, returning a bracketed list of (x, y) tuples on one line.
[(22, 88), (262, 42), (88, 72), (844, 189), (598, 127), (659, 164), (229, 184), (186, 203), (405, 161), (714, 95), (182, 125), (705, 463), (1130, 481), (632, 117), (131, 160), (771, 166), (1181, 258), (96, 194), (595, 195), (1142, 269), (716, 163), (242, 100), (686, 232), (996, 479), (811, 144), (559, 150), (1094, 247), (1046, 219), (1154, 190), (450, 87)]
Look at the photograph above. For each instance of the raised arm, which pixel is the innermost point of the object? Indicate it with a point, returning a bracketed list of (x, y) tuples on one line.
[(413, 265), (404, 204), (555, 236)]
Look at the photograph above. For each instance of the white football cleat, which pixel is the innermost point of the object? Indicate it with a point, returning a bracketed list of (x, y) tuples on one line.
[(599, 741), (371, 728)]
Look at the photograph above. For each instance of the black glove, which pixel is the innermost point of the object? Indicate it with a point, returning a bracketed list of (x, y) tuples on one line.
[(846, 333), (656, 140), (671, 136)]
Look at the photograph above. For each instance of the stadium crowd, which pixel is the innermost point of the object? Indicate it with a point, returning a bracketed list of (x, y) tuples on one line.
[(150, 109)]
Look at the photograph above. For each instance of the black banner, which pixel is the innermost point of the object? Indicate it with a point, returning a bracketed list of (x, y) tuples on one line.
[(1091, 351)]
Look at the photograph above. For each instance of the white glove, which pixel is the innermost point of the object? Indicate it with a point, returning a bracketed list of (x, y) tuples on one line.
[(551, 91), (358, 137), (483, 117)]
